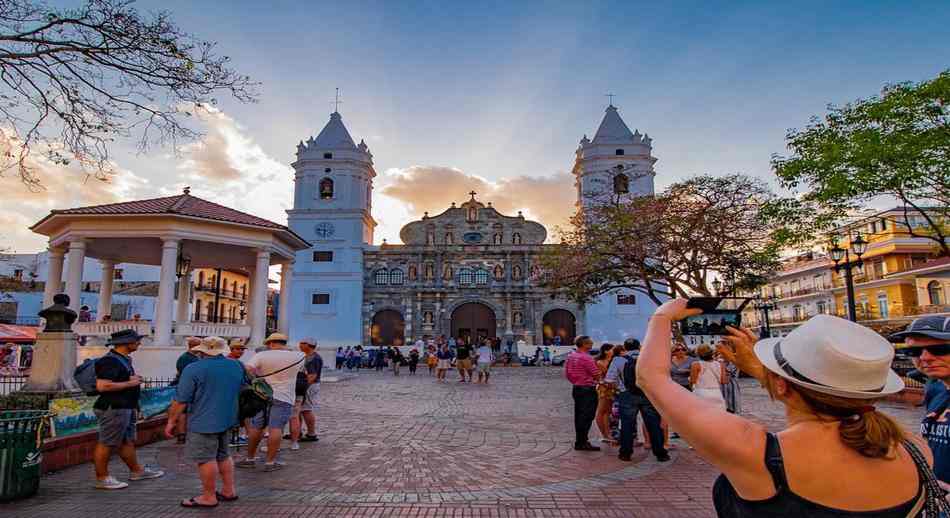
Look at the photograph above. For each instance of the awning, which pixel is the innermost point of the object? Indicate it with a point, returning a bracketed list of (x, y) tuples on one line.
[(17, 334)]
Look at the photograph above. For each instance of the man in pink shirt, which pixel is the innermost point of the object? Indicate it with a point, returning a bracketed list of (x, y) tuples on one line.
[(582, 372)]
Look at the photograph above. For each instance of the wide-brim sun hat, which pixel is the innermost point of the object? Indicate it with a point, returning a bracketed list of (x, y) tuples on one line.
[(125, 336), (212, 346), (833, 356), (276, 337)]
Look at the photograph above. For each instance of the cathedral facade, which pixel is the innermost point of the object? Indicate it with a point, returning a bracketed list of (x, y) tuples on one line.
[(467, 272)]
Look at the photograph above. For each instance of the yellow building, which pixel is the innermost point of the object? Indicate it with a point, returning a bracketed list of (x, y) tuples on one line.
[(882, 291), (230, 289)]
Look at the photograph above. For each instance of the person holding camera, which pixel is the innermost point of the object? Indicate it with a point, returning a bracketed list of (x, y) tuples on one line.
[(837, 454)]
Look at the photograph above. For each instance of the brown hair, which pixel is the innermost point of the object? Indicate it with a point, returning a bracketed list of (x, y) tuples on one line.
[(862, 428), (704, 352), (604, 349)]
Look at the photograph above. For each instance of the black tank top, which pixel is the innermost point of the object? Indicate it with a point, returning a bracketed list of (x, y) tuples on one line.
[(786, 503)]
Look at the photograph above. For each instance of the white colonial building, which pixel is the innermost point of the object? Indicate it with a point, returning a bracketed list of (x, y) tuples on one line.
[(467, 271)]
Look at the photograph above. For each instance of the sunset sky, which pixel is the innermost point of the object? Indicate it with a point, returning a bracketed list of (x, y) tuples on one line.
[(495, 96)]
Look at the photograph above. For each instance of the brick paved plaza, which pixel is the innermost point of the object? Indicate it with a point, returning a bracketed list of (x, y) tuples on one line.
[(409, 447)]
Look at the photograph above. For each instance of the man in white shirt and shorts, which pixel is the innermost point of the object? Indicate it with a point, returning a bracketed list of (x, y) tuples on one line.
[(484, 362), (279, 367)]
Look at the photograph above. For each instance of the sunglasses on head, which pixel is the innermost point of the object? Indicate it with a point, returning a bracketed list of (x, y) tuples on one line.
[(936, 350)]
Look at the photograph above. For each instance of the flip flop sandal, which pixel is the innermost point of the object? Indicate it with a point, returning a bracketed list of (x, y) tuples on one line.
[(222, 498), (191, 502)]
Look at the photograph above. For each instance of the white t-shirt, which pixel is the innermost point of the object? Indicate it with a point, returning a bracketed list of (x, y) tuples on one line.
[(484, 354), (284, 383)]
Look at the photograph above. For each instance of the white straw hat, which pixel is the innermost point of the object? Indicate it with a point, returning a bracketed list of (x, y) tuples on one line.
[(833, 356), (212, 346)]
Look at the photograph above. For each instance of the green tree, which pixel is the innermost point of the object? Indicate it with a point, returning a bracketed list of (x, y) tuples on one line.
[(674, 243), (894, 146), (72, 81)]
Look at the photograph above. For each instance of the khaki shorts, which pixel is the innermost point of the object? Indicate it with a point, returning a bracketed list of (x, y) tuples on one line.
[(464, 364)]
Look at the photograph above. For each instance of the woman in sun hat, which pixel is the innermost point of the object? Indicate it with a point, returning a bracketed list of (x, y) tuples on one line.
[(837, 454)]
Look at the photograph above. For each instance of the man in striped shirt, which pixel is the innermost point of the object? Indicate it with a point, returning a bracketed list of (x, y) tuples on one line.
[(581, 370)]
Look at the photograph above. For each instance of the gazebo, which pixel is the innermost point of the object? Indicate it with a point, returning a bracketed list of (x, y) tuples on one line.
[(178, 233)]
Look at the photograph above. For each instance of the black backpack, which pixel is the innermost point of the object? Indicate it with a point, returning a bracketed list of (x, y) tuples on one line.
[(629, 376)]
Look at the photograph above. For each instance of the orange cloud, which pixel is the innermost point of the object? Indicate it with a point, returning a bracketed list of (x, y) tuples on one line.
[(548, 200)]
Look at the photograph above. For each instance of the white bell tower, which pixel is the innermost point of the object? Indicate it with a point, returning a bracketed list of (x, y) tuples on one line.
[(617, 163), (333, 187)]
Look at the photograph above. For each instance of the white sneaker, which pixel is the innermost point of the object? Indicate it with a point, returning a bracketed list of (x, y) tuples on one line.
[(110, 482), (146, 474), (294, 446)]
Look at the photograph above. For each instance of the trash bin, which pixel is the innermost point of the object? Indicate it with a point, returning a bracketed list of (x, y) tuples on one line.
[(21, 435)]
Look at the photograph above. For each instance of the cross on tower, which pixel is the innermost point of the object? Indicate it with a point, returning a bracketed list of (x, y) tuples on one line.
[(610, 99), (337, 102), (472, 194)]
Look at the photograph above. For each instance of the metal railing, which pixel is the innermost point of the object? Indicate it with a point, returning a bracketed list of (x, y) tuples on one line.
[(10, 383)]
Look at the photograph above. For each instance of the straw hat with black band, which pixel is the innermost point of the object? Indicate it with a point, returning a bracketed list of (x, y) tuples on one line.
[(833, 356)]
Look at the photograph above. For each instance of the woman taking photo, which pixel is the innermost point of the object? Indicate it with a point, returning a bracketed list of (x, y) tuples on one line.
[(837, 455), (605, 394), (707, 376)]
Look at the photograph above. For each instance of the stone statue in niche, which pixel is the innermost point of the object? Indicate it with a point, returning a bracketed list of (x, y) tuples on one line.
[(517, 318), (59, 317), (427, 317), (447, 273)]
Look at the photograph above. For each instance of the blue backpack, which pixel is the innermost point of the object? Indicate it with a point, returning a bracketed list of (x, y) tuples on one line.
[(85, 373)]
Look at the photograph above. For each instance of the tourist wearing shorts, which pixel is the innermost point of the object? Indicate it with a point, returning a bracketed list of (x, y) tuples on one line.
[(444, 357), (307, 390), (279, 367), (209, 388), (463, 361), (116, 408), (485, 357)]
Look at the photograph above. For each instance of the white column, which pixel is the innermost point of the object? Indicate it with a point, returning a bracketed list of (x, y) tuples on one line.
[(286, 274), (184, 292), (508, 330), (105, 289), (249, 306), (258, 306), (54, 275), (166, 295), (77, 254)]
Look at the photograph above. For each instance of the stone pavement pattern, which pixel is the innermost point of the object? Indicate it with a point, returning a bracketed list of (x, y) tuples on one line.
[(410, 447)]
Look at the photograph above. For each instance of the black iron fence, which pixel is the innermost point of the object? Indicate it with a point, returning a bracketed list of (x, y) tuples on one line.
[(10, 383)]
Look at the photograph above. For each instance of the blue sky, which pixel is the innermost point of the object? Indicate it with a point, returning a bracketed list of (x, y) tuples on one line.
[(502, 90)]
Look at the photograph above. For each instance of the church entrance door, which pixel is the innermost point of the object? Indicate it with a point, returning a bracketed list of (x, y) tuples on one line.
[(559, 322), (472, 321), (388, 328)]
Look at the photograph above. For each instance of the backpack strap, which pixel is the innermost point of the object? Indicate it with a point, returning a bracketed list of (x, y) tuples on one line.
[(122, 359), (285, 368), (774, 462)]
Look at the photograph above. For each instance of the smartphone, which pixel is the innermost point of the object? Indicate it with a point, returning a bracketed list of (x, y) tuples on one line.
[(714, 319)]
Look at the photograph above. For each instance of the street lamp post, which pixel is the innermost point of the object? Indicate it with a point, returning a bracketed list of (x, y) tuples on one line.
[(765, 305), (859, 246)]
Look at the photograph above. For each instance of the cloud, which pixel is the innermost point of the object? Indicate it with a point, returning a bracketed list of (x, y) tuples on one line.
[(60, 187), (549, 199), (228, 167)]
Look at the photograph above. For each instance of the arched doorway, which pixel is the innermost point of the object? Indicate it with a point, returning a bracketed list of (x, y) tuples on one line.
[(472, 320), (559, 322), (388, 328)]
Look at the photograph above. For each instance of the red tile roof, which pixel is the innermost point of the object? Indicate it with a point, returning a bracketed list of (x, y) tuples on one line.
[(182, 204), (17, 334)]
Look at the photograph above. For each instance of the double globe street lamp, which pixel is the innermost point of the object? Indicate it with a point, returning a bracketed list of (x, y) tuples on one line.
[(765, 305), (859, 246)]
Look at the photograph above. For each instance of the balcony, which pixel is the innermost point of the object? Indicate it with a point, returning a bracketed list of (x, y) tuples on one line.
[(809, 290), (929, 309), (231, 294)]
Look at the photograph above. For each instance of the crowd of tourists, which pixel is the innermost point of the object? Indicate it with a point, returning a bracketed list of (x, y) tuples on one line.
[(837, 455)]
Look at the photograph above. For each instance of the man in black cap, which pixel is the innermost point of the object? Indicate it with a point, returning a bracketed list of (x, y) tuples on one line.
[(118, 388), (928, 341)]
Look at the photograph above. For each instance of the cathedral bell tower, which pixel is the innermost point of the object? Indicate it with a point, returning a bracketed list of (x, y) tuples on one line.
[(616, 165), (333, 187), (617, 162)]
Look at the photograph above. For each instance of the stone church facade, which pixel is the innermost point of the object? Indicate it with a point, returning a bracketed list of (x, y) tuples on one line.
[(470, 271), (467, 272)]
